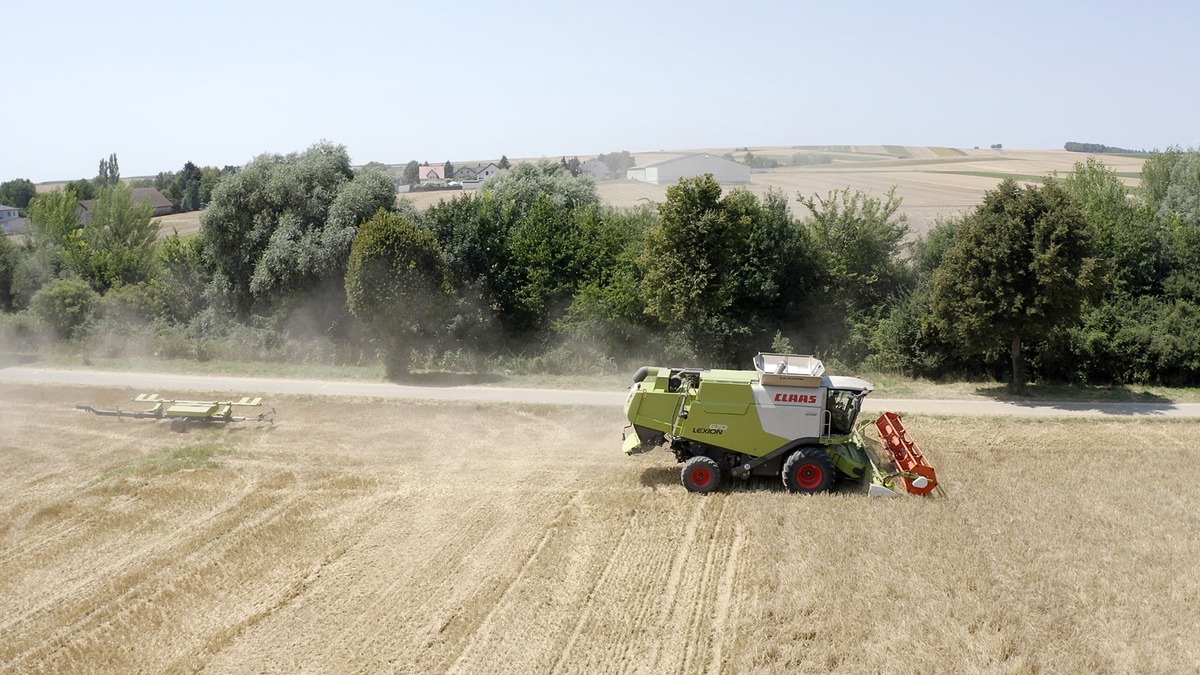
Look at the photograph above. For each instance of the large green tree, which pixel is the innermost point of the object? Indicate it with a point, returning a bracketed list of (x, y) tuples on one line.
[(53, 239), (17, 193), (109, 173), (520, 187), (1021, 265), (412, 173), (396, 284), (1128, 238), (720, 271), (116, 245), (858, 242), (283, 224), (10, 256)]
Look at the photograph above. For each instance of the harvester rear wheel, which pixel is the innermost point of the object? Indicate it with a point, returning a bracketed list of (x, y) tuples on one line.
[(701, 474), (808, 470)]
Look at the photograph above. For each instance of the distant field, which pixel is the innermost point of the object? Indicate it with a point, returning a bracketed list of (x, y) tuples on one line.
[(932, 181), (185, 224)]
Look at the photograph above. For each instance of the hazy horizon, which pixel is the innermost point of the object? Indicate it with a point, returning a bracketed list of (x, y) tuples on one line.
[(160, 85)]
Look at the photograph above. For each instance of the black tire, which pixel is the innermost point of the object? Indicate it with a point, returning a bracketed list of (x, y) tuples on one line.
[(701, 474), (808, 471), (179, 424)]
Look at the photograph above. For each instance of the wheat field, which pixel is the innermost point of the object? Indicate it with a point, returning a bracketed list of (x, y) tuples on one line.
[(384, 536), (932, 182)]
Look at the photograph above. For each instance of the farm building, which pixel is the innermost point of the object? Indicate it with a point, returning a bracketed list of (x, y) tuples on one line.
[(162, 205), (671, 170), (595, 168)]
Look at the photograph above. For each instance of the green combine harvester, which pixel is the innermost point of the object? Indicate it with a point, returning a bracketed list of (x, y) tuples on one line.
[(785, 418)]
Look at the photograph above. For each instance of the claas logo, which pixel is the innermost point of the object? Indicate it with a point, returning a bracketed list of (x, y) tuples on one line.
[(795, 398)]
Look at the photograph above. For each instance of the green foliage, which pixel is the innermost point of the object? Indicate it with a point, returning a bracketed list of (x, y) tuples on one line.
[(721, 272), (396, 284), (10, 257), (67, 306), (1156, 178), (608, 310), (617, 162), (279, 204), (53, 220), (109, 174), (300, 255), (412, 173), (129, 305), (1182, 197), (1021, 266), (52, 242), (810, 159), (82, 188), (180, 278), (18, 193), (473, 234), (750, 160), (1095, 148), (503, 163), (1129, 240), (857, 241), (116, 246), (520, 187), (189, 189)]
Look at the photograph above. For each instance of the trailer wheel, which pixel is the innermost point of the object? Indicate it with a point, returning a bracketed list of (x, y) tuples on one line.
[(179, 424), (808, 471), (701, 474)]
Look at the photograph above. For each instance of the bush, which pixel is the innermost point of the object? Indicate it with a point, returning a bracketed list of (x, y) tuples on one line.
[(66, 306), (22, 332)]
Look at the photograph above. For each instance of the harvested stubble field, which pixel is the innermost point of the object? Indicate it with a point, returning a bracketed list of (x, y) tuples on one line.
[(368, 536)]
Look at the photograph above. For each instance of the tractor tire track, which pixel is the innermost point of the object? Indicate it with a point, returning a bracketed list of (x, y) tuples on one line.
[(485, 628), (614, 556)]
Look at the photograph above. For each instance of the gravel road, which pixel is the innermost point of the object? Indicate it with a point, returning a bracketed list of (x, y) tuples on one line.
[(165, 382)]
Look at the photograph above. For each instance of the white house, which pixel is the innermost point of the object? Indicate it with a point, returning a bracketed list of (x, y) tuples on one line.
[(671, 170), (11, 221), (487, 171)]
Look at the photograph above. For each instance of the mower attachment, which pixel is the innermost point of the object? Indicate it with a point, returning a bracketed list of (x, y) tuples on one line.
[(906, 455), (182, 412)]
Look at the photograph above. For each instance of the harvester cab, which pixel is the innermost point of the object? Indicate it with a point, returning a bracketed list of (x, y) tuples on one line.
[(785, 418)]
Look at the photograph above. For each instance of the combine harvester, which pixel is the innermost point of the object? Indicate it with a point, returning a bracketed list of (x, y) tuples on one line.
[(784, 418), (182, 413)]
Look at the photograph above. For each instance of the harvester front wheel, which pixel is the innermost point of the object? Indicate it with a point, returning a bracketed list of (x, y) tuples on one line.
[(701, 474), (808, 470)]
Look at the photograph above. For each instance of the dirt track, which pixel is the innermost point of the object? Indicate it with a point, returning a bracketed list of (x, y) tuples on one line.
[(369, 535)]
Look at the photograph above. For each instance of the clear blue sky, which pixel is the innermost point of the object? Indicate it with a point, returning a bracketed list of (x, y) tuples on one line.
[(216, 83)]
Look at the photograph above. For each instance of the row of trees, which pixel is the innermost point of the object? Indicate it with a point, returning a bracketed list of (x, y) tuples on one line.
[(1067, 280), (1095, 148), (190, 188)]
